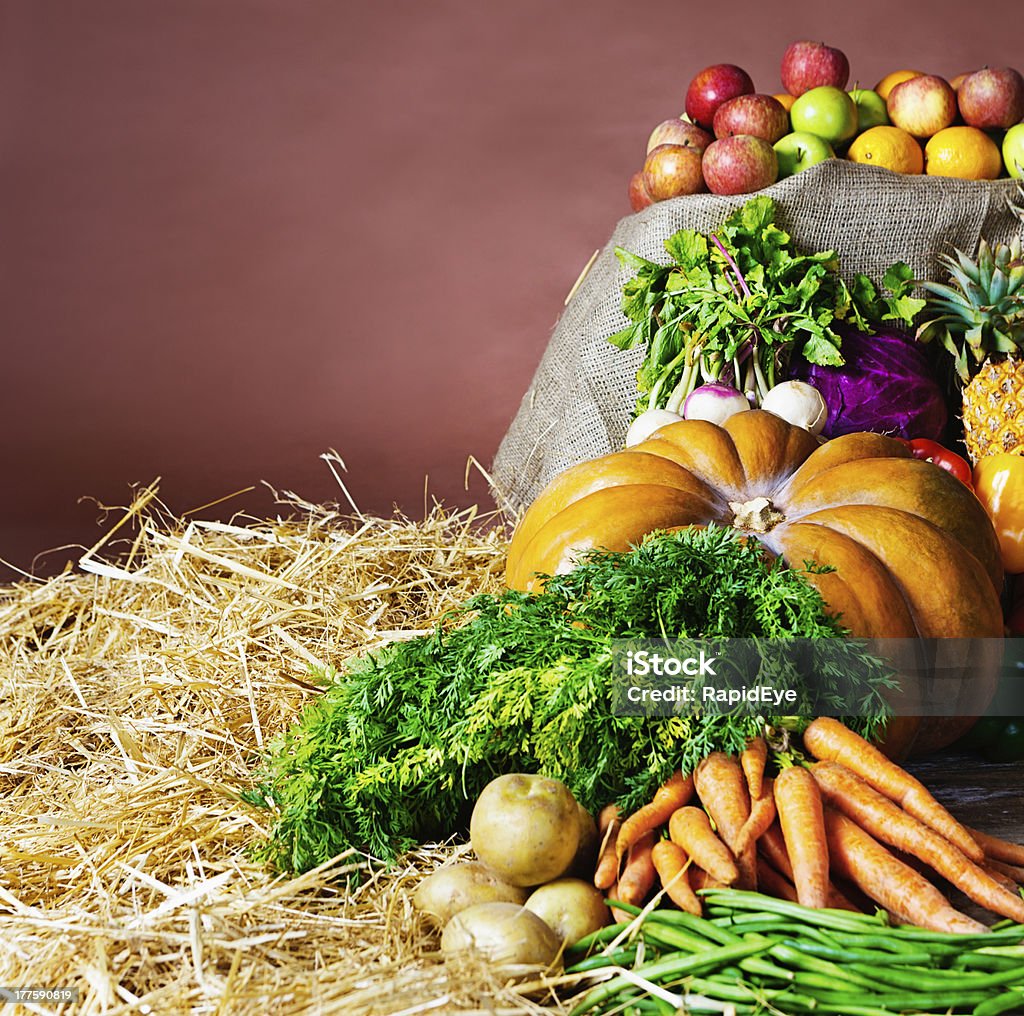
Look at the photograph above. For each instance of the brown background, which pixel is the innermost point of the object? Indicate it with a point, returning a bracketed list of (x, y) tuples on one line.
[(237, 233)]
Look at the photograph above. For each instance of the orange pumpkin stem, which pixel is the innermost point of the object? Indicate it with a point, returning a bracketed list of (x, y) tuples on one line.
[(758, 515)]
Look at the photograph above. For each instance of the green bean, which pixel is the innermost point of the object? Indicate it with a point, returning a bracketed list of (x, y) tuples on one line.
[(741, 899), (911, 933), (642, 1007), (691, 923), (740, 991), (940, 980), (599, 937), (1006, 922), (984, 961), (1008, 1001), (619, 958), (897, 946), (896, 1002), (672, 966), (758, 953), (669, 936), (761, 967), (849, 1007), (796, 958), (760, 924), (655, 1005), (843, 954), (1003, 950)]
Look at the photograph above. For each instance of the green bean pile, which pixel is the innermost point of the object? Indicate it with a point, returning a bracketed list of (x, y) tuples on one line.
[(759, 955)]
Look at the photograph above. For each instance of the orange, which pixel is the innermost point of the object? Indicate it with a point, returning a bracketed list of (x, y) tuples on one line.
[(964, 152), (890, 147), (891, 80), (786, 99)]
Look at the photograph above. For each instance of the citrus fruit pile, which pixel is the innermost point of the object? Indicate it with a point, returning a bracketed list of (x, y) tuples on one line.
[(732, 139)]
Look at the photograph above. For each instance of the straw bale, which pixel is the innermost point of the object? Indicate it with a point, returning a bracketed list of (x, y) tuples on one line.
[(136, 693)]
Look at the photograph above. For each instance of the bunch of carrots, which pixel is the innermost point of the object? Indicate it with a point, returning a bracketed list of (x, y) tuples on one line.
[(820, 834)]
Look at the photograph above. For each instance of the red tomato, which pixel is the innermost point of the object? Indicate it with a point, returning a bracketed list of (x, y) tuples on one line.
[(932, 451)]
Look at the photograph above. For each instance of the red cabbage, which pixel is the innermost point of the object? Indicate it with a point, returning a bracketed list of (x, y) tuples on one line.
[(886, 385)]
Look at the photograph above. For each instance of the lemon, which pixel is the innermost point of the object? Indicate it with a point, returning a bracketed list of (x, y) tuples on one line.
[(894, 78), (964, 152), (890, 147)]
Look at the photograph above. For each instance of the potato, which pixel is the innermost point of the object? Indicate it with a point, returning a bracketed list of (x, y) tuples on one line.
[(586, 853), (506, 933), (525, 828), (571, 907), (449, 890)]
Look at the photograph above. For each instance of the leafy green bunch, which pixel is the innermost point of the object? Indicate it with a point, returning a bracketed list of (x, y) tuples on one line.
[(402, 742), (733, 305)]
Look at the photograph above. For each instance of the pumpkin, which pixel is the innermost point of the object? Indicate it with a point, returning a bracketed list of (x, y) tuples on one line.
[(911, 551)]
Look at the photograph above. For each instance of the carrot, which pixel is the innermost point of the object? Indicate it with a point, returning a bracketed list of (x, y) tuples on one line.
[(670, 862), (673, 793), (772, 844), (856, 855), (762, 815), (722, 789), (772, 847), (638, 875), (619, 915), (997, 849), (1010, 871), (773, 883), (879, 816), (753, 760), (690, 829), (798, 801), (607, 868), (838, 900), (831, 741), (700, 879), (1005, 880)]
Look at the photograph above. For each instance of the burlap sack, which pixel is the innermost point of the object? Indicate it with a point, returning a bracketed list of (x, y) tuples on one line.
[(579, 402)]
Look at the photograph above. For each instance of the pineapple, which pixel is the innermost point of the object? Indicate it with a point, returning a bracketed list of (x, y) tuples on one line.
[(979, 320)]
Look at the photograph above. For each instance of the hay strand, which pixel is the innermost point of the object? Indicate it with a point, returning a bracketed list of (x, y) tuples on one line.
[(137, 694)]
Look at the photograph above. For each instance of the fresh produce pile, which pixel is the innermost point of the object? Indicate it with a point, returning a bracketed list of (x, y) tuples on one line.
[(755, 954), (737, 315), (795, 470), (741, 318), (767, 881), (807, 835), (403, 739), (732, 139)]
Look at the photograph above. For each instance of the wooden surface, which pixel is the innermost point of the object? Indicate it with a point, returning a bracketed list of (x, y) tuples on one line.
[(985, 795), (982, 794)]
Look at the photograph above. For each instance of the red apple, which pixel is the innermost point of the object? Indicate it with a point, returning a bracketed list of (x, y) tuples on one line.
[(671, 170), (639, 199), (922, 106), (739, 164), (992, 98), (713, 86), (679, 132), (807, 65), (760, 115)]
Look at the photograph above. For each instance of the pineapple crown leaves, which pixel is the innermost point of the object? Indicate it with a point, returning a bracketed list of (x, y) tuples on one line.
[(980, 313)]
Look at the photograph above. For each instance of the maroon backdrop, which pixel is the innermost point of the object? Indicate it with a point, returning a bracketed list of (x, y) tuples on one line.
[(237, 233)]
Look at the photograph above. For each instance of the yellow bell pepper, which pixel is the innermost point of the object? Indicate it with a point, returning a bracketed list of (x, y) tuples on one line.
[(999, 484)]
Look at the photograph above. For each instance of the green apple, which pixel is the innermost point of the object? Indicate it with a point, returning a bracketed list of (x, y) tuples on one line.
[(826, 111), (871, 111), (1013, 151), (799, 150)]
